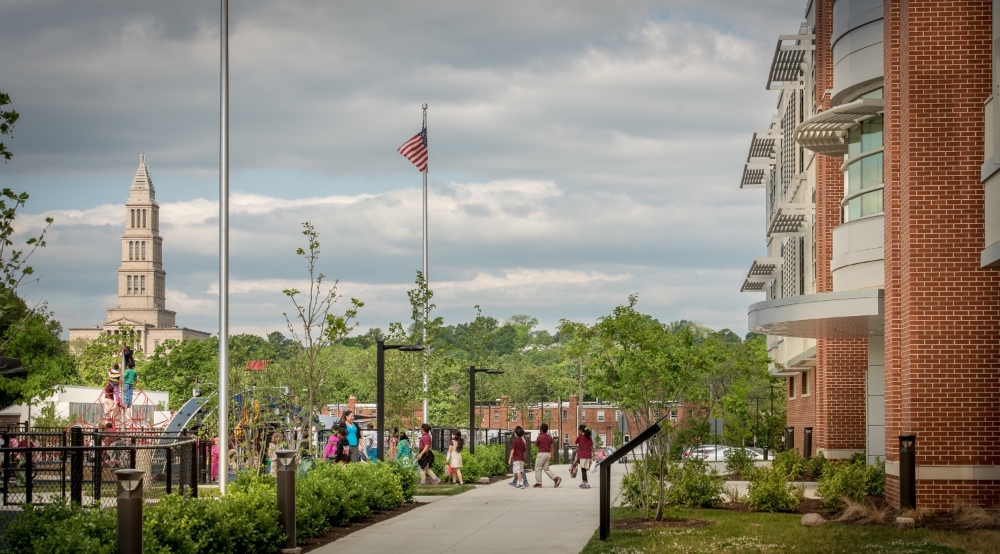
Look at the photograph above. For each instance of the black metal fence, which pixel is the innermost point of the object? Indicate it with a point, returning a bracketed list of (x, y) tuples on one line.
[(44, 466)]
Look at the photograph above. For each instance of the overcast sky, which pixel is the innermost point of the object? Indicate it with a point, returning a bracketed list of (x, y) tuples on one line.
[(579, 151)]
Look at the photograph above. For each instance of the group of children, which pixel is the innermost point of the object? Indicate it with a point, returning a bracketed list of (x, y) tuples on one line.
[(118, 390), (340, 449), (582, 460)]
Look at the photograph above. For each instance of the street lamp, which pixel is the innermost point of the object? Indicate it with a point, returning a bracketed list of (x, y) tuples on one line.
[(473, 370), (380, 349)]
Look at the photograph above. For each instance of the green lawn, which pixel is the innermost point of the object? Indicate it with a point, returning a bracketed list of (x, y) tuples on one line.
[(442, 490), (735, 532)]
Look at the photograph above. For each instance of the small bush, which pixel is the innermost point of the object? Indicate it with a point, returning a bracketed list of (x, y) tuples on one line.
[(790, 464), (770, 491), (634, 494), (739, 460), (62, 528), (407, 476), (875, 478), (694, 485), (817, 465), (852, 481)]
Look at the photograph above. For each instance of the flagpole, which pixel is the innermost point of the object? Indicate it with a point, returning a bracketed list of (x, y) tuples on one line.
[(426, 278), (224, 254)]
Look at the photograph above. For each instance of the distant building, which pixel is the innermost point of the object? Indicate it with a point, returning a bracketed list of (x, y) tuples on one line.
[(81, 405), (142, 282)]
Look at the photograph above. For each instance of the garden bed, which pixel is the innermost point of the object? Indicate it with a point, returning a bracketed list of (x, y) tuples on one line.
[(340, 532)]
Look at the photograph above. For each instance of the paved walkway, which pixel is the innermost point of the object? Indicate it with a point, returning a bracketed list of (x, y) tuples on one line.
[(495, 518)]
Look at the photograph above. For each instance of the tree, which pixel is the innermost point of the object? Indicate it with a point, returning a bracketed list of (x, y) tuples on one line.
[(7, 120), (177, 366), (314, 327)]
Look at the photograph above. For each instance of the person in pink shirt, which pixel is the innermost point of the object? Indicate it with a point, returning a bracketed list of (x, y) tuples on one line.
[(584, 453), (215, 458), (330, 452)]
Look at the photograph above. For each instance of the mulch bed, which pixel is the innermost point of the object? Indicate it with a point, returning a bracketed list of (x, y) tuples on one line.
[(340, 532), (806, 506), (639, 524)]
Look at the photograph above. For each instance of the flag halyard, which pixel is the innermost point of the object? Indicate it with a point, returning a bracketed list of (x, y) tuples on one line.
[(415, 150)]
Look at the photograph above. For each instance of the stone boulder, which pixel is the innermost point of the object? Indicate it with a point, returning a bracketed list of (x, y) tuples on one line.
[(813, 520)]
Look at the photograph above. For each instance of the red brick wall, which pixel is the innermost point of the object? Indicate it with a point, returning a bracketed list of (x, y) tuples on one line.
[(801, 410), (840, 405), (943, 352)]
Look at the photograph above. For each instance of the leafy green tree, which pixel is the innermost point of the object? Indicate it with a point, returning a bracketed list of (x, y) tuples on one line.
[(7, 120), (314, 328), (177, 366)]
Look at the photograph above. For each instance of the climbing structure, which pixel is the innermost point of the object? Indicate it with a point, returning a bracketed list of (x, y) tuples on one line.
[(137, 417)]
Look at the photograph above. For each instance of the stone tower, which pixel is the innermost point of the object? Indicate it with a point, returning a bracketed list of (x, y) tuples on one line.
[(141, 278), (142, 282)]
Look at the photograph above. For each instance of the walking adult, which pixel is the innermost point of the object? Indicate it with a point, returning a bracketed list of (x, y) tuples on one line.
[(425, 457), (347, 422), (544, 456)]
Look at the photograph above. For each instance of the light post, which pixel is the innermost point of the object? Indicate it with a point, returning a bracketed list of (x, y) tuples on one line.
[(380, 349), (473, 370)]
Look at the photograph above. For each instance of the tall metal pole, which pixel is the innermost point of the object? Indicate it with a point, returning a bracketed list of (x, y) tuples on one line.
[(472, 409), (224, 256), (380, 397), (426, 278)]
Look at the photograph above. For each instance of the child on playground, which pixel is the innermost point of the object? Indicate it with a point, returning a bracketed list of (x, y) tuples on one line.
[(129, 379), (455, 457), (516, 458)]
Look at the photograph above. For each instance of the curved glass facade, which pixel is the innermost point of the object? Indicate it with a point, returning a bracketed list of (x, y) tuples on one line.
[(863, 175)]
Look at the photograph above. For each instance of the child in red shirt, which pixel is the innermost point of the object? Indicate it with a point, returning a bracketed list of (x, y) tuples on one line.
[(516, 457)]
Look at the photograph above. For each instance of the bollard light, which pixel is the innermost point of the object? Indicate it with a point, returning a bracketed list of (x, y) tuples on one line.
[(286, 498), (129, 510), (908, 471)]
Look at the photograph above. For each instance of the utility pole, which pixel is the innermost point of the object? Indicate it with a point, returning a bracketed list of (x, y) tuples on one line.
[(579, 402)]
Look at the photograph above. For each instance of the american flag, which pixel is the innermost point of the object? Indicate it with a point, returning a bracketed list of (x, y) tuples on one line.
[(415, 150)]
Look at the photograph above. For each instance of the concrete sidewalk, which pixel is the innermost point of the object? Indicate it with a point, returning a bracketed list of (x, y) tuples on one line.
[(495, 518)]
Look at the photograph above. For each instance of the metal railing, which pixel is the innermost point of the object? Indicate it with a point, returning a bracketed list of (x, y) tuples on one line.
[(42, 467)]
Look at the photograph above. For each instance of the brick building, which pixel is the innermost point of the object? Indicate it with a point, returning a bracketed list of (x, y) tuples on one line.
[(883, 235)]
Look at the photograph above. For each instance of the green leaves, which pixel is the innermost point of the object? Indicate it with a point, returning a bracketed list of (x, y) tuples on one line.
[(7, 120)]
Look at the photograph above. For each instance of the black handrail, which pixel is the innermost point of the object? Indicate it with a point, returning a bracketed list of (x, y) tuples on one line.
[(605, 468)]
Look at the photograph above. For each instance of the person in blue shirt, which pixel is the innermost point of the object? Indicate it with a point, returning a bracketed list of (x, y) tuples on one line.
[(347, 422)]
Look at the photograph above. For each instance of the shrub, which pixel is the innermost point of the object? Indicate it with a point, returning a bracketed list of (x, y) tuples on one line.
[(245, 520), (694, 485), (634, 495), (842, 482), (61, 529), (739, 460), (770, 491), (407, 476), (817, 465), (852, 481), (875, 478), (790, 464)]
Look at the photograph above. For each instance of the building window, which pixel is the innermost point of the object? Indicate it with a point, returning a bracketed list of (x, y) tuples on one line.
[(805, 383), (600, 416), (130, 250), (496, 416), (133, 218), (618, 415), (583, 416), (143, 250), (531, 415), (791, 387), (656, 414), (603, 438), (673, 416), (626, 438), (143, 219), (513, 415), (864, 175), (565, 415), (156, 344), (143, 282)]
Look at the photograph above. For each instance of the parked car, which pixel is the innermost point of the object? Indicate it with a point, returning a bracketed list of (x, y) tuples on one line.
[(719, 452)]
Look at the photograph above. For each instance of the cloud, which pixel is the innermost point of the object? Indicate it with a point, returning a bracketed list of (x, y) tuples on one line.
[(579, 151)]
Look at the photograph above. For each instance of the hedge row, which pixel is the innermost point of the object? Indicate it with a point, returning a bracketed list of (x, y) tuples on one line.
[(488, 461), (243, 521)]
